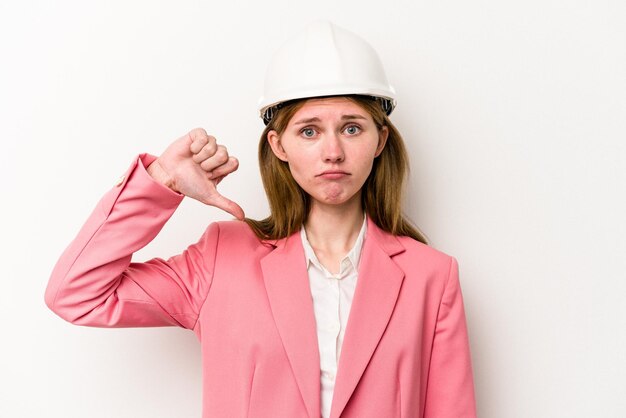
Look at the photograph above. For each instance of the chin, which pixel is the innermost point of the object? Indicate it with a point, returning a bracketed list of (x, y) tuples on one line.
[(336, 199)]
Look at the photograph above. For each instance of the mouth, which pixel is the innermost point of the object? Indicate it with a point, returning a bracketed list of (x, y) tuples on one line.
[(333, 174)]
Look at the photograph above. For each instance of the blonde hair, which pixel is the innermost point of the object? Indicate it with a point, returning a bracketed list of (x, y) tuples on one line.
[(382, 192)]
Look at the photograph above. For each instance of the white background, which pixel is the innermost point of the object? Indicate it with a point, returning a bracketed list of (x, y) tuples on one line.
[(514, 114)]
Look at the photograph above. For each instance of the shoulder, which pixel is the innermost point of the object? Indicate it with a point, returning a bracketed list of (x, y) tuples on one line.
[(415, 247), (234, 229), (425, 258), (410, 254), (235, 232)]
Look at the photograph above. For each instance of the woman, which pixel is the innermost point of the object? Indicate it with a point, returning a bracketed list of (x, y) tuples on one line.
[(270, 300)]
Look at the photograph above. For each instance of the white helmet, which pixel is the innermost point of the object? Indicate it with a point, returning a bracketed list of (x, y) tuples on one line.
[(324, 60)]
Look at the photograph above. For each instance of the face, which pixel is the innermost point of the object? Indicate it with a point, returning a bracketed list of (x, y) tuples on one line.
[(330, 145)]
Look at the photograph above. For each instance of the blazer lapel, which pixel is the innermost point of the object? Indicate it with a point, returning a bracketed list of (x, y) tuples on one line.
[(287, 284), (378, 285)]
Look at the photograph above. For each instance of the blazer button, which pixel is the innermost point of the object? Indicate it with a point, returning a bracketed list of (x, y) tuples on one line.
[(120, 181)]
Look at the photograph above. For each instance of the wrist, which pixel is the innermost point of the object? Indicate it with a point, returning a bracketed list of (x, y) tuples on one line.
[(157, 173)]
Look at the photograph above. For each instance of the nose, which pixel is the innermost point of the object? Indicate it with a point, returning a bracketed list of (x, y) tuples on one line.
[(332, 149)]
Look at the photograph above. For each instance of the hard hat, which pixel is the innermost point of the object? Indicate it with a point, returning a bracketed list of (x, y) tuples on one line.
[(324, 60)]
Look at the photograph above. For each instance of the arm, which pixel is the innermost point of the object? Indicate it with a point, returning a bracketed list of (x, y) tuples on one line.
[(450, 390), (94, 283)]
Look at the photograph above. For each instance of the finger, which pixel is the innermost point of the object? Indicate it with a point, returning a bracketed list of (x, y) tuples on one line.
[(228, 167), (206, 151), (225, 204), (220, 157), (197, 133), (196, 144), (217, 180)]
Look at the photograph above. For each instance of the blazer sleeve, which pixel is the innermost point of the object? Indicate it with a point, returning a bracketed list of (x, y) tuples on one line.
[(450, 388), (94, 283)]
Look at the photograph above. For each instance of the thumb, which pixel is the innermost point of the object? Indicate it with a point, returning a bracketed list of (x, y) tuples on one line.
[(225, 204)]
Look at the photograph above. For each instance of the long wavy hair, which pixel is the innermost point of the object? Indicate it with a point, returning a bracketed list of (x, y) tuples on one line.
[(382, 193)]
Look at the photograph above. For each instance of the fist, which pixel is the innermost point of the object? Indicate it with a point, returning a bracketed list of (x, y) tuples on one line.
[(193, 165)]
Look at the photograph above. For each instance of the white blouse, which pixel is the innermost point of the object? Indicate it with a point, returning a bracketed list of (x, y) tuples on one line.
[(332, 298)]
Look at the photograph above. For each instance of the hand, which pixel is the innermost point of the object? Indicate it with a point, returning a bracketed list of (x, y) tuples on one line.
[(194, 165)]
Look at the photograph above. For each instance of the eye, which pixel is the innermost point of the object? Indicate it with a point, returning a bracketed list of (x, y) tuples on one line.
[(308, 132), (353, 129)]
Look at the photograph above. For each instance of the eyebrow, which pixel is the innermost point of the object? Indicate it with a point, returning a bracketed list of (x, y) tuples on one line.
[(316, 119)]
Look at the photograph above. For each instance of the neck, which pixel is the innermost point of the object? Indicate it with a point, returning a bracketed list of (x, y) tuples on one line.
[(332, 228)]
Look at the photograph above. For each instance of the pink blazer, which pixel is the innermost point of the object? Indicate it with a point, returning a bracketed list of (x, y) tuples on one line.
[(405, 352)]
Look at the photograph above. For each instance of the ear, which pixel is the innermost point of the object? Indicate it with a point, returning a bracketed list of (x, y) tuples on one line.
[(382, 140), (275, 144)]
